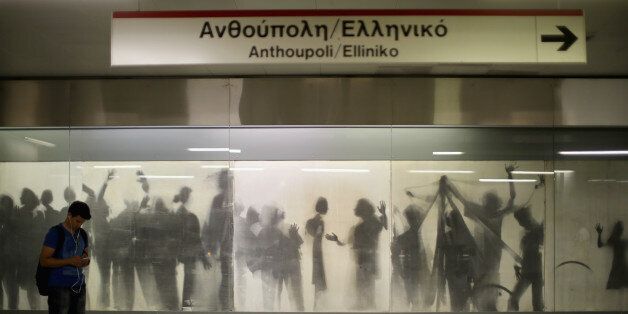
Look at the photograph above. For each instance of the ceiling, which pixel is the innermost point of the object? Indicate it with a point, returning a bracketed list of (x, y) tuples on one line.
[(53, 38)]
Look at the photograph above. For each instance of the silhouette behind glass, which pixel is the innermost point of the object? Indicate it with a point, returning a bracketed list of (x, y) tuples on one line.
[(315, 227), (162, 245), (102, 245), (217, 235), (142, 258), (245, 247), (9, 261), (618, 276), (190, 248), (365, 240), (409, 257), (122, 233), (531, 270), (29, 231), (268, 260), (456, 259), (69, 196), (290, 267), (51, 216)]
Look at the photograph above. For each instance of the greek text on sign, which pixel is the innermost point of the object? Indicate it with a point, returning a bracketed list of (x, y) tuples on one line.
[(347, 36)]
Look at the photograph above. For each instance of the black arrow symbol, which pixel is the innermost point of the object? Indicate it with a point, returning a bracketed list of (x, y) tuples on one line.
[(567, 38)]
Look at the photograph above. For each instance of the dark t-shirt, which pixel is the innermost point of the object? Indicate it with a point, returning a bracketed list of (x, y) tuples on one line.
[(66, 276)]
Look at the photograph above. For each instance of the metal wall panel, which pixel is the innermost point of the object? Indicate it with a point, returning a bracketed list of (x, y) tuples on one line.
[(34, 103), (397, 101), (314, 101), (149, 102), (601, 102)]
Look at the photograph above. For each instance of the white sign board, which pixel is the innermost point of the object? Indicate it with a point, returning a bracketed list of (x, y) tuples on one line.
[(347, 36)]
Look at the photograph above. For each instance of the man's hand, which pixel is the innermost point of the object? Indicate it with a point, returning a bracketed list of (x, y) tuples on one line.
[(77, 261), (599, 228), (86, 259)]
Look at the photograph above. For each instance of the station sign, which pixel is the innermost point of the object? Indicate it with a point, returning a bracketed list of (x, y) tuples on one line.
[(347, 37)]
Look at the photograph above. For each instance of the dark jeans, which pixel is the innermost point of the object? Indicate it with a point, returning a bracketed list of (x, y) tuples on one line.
[(66, 301)]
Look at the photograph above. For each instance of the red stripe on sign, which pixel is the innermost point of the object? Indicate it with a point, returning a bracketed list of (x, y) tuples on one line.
[(271, 13)]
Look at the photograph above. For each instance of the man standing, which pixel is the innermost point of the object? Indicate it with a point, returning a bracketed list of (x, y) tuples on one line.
[(65, 253)]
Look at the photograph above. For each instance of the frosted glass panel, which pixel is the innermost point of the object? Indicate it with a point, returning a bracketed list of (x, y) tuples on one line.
[(319, 219)]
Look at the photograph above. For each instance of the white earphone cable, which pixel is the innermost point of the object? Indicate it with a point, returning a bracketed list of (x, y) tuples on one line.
[(79, 280)]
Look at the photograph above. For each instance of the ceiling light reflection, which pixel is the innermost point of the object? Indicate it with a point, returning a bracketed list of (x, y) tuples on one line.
[(442, 171), (447, 153), (508, 180), (166, 177), (594, 153), (39, 142), (533, 172), (119, 167), (601, 180), (563, 171), (215, 149), (246, 169), (335, 170)]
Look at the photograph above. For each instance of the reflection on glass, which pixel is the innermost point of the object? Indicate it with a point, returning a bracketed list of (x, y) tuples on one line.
[(39, 142), (116, 166), (549, 173), (214, 149), (595, 153), (447, 153)]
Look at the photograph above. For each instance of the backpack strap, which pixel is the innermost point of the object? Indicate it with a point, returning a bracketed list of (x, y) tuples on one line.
[(60, 240)]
